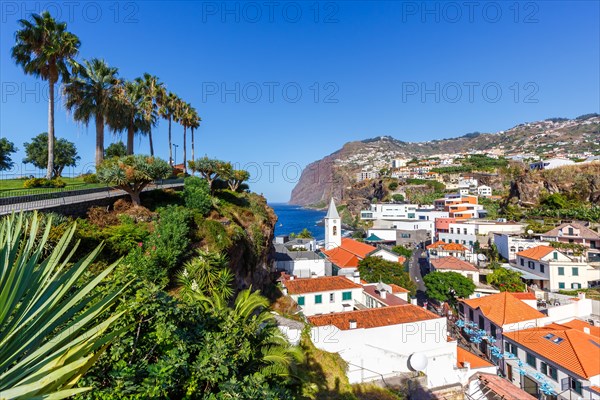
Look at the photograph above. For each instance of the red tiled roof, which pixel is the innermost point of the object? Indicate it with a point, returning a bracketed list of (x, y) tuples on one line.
[(463, 356), (435, 244), (453, 263), (447, 246), (581, 325), (320, 284), (341, 257), (504, 308), (359, 249), (397, 289), (536, 253), (524, 295), (503, 388), (578, 352), (374, 317), (595, 388)]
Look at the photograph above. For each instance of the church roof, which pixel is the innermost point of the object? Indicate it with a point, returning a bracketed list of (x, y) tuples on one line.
[(332, 211)]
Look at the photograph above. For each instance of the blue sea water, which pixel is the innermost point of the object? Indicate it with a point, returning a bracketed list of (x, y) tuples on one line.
[(295, 218)]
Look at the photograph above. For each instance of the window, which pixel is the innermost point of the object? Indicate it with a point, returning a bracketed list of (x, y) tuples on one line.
[(347, 296), (575, 285), (471, 242), (570, 231), (334, 230), (461, 308), (575, 271), (542, 269), (481, 322), (471, 317), (522, 262), (549, 371), (451, 230), (531, 360), (561, 285), (318, 299), (301, 300), (510, 348), (592, 244), (576, 386), (561, 270), (531, 264), (493, 330), (465, 231), (555, 255), (331, 297)]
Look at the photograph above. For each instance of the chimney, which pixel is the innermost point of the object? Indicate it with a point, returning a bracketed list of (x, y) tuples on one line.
[(581, 295), (313, 275), (292, 277), (382, 293), (467, 365), (352, 324), (356, 277), (284, 291), (586, 330)]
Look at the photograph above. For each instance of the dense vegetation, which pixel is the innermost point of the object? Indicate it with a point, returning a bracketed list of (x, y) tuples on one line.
[(475, 162), (448, 286), (376, 269)]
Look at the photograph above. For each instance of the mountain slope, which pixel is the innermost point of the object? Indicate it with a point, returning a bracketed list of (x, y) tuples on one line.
[(333, 174)]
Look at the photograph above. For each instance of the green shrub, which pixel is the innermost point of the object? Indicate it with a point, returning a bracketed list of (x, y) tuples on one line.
[(393, 186), (90, 178), (122, 238), (196, 194), (44, 183)]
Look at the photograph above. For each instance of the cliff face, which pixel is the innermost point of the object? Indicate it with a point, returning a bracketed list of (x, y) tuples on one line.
[(581, 182)]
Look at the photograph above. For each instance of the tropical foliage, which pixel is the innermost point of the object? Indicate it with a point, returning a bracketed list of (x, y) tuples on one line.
[(6, 148), (45, 49), (52, 327), (65, 154), (375, 269), (506, 280), (133, 173), (117, 149), (448, 286)]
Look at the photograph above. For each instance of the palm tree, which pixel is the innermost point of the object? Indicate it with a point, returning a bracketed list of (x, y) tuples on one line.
[(154, 93), (52, 326), (184, 118), (194, 124), (44, 48), (130, 115), (167, 110), (93, 93)]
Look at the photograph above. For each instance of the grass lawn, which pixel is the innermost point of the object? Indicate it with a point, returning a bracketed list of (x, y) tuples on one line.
[(14, 187)]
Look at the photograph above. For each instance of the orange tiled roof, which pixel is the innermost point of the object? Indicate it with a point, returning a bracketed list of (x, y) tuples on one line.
[(341, 257), (578, 352), (503, 388), (580, 325), (436, 244), (359, 249), (524, 295), (595, 388), (504, 308), (321, 284), (397, 289), (536, 253), (374, 317), (463, 356), (447, 246), (454, 264)]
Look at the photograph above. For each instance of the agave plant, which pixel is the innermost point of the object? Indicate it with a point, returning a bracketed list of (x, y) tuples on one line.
[(49, 330)]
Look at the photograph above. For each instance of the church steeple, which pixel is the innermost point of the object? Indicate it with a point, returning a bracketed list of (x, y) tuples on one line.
[(333, 227)]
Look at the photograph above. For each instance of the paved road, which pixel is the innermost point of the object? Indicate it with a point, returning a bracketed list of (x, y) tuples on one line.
[(59, 201), (417, 265)]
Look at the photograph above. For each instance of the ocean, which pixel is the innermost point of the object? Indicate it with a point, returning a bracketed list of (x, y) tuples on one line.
[(295, 218)]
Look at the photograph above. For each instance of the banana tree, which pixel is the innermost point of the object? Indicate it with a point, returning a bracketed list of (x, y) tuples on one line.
[(52, 327)]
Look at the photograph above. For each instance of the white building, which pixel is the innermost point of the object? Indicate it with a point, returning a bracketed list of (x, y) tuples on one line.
[(551, 163), (298, 257), (554, 270), (469, 232), (509, 244), (323, 295), (484, 191), (387, 341), (364, 175), (399, 163), (389, 211), (333, 227), (564, 356)]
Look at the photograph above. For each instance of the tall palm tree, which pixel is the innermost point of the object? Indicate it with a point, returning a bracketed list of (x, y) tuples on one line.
[(194, 124), (44, 48), (130, 116), (92, 93), (154, 93), (184, 118), (167, 110)]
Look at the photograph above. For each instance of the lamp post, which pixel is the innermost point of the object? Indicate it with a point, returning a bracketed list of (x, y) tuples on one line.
[(175, 161)]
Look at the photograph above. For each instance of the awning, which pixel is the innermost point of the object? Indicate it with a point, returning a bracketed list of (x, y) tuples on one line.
[(374, 238), (525, 274)]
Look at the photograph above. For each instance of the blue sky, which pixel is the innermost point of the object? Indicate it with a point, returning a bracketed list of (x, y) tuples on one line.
[(281, 84)]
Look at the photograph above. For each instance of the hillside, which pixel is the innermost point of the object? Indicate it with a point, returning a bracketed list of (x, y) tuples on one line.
[(335, 173)]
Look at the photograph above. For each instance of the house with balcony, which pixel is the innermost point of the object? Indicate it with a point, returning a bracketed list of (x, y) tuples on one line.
[(550, 269), (481, 231), (441, 249), (576, 233), (497, 314), (509, 244), (564, 357)]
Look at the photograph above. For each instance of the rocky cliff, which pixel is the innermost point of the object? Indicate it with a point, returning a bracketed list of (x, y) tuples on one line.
[(580, 182), (334, 174)]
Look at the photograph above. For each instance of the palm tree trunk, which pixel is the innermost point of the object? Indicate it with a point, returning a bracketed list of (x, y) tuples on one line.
[(151, 144), (170, 146), (50, 170), (193, 143), (99, 139), (130, 134), (184, 150)]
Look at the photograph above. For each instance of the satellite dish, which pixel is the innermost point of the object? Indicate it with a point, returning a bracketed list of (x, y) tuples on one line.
[(529, 232), (418, 361), (481, 257)]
